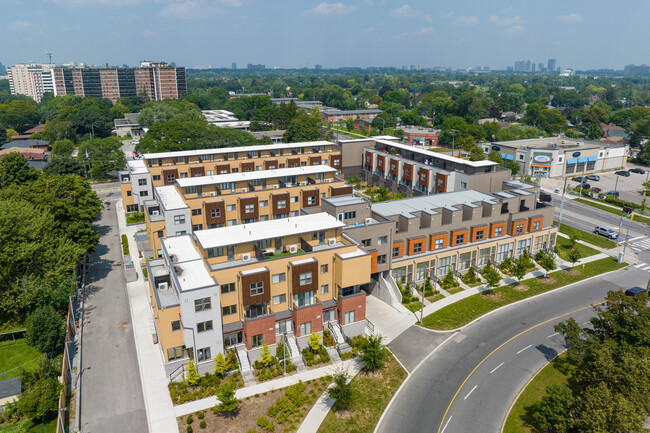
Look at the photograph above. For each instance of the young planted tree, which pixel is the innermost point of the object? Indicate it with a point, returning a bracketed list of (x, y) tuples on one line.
[(573, 255), (266, 357), (227, 401), (315, 342), (192, 375), (373, 353), (492, 277), (519, 268), (220, 364), (342, 391)]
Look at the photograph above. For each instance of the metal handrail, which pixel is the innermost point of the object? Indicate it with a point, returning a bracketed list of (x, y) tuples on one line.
[(370, 325)]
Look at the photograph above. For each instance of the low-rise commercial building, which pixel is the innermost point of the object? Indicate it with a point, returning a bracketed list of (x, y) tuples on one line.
[(421, 136), (245, 286), (336, 116), (157, 169), (561, 156)]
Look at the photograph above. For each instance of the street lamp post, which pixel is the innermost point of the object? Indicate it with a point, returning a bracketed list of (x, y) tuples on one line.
[(616, 185), (627, 235), (559, 220), (453, 140)]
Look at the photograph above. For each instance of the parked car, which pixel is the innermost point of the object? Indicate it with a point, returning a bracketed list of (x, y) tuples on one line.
[(623, 173), (578, 179), (606, 231), (614, 194), (637, 170), (584, 186), (596, 189), (633, 291), (593, 177)]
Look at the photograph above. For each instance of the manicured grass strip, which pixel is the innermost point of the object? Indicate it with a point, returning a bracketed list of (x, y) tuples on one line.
[(372, 393), (414, 306), (564, 245), (440, 149), (14, 354), (555, 373), (435, 297), (454, 290), (464, 311), (615, 211), (590, 238)]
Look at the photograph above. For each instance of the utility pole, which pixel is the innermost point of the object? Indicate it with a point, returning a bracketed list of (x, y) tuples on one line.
[(621, 256), (559, 220), (49, 54)]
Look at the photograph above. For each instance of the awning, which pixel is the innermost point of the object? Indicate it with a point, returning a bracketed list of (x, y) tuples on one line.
[(571, 160), (582, 159), (592, 158), (507, 157), (540, 165)]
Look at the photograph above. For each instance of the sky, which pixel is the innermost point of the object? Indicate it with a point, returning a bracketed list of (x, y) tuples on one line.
[(581, 34)]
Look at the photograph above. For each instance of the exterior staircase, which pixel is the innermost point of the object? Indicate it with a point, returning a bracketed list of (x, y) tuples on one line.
[(337, 333), (294, 353), (245, 366)]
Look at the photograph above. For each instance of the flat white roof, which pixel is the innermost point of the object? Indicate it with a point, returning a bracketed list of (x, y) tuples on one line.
[(253, 175), (245, 233), (408, 206), (221, 150), (182, 248), (188, 266), (169, 197), (433, 155), (356, 253), (374, 137), (137, 166)]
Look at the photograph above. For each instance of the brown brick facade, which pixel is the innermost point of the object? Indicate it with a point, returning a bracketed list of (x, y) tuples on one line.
[(243, 202), (296, 288), (247, 280), (220, 213), (197, 171), (340, 190), (355, 303), (277, 201), (263, 325), (313, 314), (315, 196), (271, 164), (170, 176)]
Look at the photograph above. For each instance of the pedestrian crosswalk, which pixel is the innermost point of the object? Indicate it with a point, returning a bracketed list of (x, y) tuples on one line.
[(640, 244), (643, 267)]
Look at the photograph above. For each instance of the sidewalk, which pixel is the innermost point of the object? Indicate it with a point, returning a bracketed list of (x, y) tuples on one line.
[(158, 403)]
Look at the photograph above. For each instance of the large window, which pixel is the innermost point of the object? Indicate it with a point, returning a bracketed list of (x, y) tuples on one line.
[(203, 354), (483, 256), (249, 208), (257, 288), (197, 212), (305, 328), (382, 240), (142, 182), (305, 278), (229, 310), (202, 304), (350, 215), (233, 339), (304, 299), (257, 340), (204, 326), (349, 317), (227, 288), (443, 266), (179, 219), (417, 248), (176, 325), (503, 252), (279, 299), (278, 278), (464, 261), (178, 352), (282, 204), (255, 310), (381, 260)]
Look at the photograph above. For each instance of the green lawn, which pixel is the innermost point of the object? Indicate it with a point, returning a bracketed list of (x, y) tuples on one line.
[(13, 354), (33, 427), (436, 297), (564, 245), (615, 211), (439, 149), (464, 311), (372, 392), (590, 238), (555, 373), (414, 306), (454, 290), (11, 324), (284, 254)]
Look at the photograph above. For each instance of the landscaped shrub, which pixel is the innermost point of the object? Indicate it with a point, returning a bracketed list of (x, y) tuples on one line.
[(347, 355), (315, 357), (200, 415), (203, 424), (125, 245), (448, 281), (428, 288), (189, 429), (190, 419), (373, 353), (506, 265), (281, 351), (231, 360), (136, 217), (328, 340), (546, 260), (266, 425)]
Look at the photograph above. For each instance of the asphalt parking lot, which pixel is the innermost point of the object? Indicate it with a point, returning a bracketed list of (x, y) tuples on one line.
[(629, 188)]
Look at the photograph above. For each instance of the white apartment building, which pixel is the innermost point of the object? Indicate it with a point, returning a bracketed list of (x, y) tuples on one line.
[(31, 79)]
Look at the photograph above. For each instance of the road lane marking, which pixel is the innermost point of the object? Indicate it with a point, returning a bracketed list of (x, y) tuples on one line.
[(636, 238), (441, 428), (530, 345), (475, 386), (496, 368), (646, 268), (640, 265), (553, 335)]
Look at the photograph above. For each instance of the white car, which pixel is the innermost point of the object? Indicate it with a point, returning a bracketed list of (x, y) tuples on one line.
[(606, 231)]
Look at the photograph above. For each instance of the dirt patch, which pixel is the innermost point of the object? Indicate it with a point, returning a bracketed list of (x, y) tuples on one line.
[(572, 271), (492, 296), (547, 280), (520, 288), (251, 408)]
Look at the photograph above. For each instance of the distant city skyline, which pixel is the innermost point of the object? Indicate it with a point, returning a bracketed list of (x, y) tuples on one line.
[(334, 34)]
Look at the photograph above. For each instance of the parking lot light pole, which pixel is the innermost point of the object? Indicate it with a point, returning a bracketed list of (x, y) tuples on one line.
[(616, 186), (645, 190), (559, 219)]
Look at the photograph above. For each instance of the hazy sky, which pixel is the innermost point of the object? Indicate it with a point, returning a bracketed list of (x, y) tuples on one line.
[(295, 33)]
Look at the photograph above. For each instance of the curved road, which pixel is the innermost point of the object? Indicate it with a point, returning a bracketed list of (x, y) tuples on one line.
[(468, 384)]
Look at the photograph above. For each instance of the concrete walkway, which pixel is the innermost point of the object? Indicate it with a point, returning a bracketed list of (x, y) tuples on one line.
[(158, 403)]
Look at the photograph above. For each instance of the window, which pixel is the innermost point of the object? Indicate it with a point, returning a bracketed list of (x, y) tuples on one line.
[(215, 252), (304, 299), (460, 239), (181, 233), (349, 317), (190, 190), (521, 156), (283, 326), (128, 194), (249, 208), (324, 289), (228, 310), (278, 278), (179, 219), (417, 248), (350, 215), (311, 200), (480, 235), (178, 352), (209, 172), (257, 340), (294, 199), (231, 207), (233, 339), (520, 229), (279, 299), (463, 185), (395, 252), (144, 193), (257, 288), (264, 217), (295, 213), (440, 243), (215, 213), (264, 203), (196, 212), (202, 304), (443, 266), (176, 325), (498, 231), (381, 260), (232, 222), (282, 204), (204, 326), (423, 176), (365, 242), (156, 177), (142, 182), (197, 227), (227, 288), (382, 240), (536, 225), (255, 310), (324, 269), (305, 328), (305, 278)]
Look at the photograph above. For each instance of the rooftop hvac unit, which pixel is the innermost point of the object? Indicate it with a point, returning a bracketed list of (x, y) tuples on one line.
[(368, 221), (219, 160), (328, 180), (163, 286), (244, 190), (155, 213), (212, 194), (246, 257), (303, 183), (293, 249), (331, 242), (276, 186), (172, 257)]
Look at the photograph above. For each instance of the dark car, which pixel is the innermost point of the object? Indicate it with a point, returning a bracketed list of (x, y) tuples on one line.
[(637, 170), (612, 193), (593, 177), (583, 186), (633, 291), (623, 173), (578, 179)]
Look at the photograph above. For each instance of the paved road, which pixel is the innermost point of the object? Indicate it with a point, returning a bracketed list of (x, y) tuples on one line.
[(111, 393), (468, 384)]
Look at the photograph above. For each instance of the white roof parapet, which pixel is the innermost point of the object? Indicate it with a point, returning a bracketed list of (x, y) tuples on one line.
[(254, 175), (170, 198), (222, 150), (245, 233), (432, 155)]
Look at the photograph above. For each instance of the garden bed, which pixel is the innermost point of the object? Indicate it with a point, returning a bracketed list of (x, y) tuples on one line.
[(181, 392)]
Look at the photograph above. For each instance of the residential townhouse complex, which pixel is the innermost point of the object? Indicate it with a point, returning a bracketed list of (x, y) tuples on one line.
[(205, 202), (244, 286), (411, 170), (336, 116), (157, 169)]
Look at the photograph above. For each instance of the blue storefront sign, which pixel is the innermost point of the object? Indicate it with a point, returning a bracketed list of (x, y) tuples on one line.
[(496, 148)]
